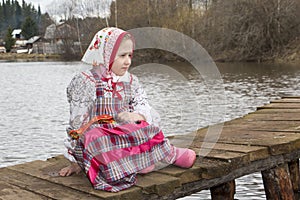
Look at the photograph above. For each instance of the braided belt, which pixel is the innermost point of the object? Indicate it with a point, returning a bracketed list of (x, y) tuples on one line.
[(100, 119)]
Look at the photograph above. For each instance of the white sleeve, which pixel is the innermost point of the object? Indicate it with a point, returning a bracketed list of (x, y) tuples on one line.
[(81, 96), (140, 103)]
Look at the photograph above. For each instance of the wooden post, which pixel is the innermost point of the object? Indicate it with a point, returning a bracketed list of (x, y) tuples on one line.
[(278, 184), (224, 191), (295, 179)]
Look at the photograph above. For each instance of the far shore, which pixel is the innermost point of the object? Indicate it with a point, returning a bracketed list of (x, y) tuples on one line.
[(289, 59), (29, 57)]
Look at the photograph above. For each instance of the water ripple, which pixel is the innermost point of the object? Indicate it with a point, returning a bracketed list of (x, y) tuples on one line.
[(34, 109)]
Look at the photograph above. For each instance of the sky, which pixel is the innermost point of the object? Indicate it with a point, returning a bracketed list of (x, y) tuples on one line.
[(43, 4), (36, 3)]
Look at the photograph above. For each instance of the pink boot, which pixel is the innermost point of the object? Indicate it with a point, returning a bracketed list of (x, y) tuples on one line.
[(185, 158), (147, 169)]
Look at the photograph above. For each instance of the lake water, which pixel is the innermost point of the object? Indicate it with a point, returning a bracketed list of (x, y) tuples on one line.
[(34, 110)]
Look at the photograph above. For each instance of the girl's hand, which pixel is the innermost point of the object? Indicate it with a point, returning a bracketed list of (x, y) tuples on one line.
[(130, 117), (72, 168)]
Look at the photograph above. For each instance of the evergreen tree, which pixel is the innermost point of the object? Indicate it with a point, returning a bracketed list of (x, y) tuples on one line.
[(26, 10), (14, 14), (39, 19), (18, 14), (9, 40), (9, 14), (5, 14), (1, 17), (29, 28)]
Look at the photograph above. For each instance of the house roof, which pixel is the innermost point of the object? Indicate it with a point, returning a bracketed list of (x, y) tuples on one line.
[(50, 32), (33, 39), (16, 31)]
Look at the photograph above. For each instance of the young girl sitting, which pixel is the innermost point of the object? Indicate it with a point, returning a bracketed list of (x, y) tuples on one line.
[(112, 134)]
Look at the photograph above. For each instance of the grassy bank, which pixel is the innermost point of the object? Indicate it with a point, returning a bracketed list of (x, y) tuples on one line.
[(29, 57)]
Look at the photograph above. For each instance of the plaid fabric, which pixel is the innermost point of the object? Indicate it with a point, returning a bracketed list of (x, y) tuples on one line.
[(111, 155)]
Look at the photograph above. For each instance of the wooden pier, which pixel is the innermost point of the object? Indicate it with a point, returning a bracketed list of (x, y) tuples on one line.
[(266, 141)]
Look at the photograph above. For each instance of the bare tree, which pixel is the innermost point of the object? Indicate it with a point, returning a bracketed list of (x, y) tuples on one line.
[(230, 29), (248, 29), (67, 9)]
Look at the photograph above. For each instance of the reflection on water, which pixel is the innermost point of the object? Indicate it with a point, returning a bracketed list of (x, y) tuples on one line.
[(34, 109)]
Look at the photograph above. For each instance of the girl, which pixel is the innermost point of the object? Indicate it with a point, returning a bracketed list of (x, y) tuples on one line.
[(113, 134)]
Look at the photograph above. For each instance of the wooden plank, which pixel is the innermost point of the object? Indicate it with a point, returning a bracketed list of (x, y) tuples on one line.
[(287, 100), (281, 106), (40, 186), (185, 175), (276, 142), (295, 129), (273, 117), (278, 184), (253, 152), (276, 110), (236, 158), (262, 125), (203, 168), (211, 168), (293, 97), (12, 192), (79, 182), (160, 184)]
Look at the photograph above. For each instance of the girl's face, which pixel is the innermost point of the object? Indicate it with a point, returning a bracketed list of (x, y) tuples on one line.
[(122, 60)]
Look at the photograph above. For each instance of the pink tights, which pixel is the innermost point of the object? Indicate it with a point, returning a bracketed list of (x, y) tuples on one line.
[(184, 158)]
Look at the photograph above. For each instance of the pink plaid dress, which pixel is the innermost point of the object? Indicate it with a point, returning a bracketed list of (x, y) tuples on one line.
[(112, 154)]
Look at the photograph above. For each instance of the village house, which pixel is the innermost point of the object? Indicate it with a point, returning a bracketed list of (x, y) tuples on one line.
[(16, 34), (20, 40), (57, 40), (2, 49)]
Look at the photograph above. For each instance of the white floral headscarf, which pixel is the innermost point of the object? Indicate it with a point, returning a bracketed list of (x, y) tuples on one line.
[(102, 51)]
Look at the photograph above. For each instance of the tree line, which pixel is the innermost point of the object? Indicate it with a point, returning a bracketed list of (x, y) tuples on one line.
[(24, 16), (230, 30)]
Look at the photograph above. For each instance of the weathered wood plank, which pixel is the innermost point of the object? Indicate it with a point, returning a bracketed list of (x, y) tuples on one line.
[(295, 129), (12, 192), (40, 186), (289, 116), (226, 152), (184, 175), (253, 152), (277, 183), (281, 106), (286, 100), (211, 168), (203, 168), (190, 141), (262, 125), (276, 110), (42, 169), (236, 158), (276, 142), (160, 184), (292, 97)]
